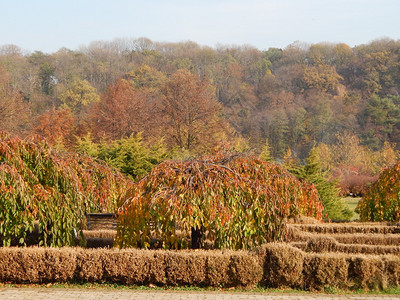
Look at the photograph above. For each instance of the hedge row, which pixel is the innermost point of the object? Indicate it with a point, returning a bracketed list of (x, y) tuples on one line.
[(271, 265), (286, 266), (131, 266), (328, 244), (347, 228), (295, 235), (99, 238)]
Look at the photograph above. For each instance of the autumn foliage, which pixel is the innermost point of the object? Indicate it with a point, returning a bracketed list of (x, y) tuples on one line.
[(381, 201), (352, 182), (14, 114), (121, 111), (192, 113), (57, 126), (237, 201), (52, 188)]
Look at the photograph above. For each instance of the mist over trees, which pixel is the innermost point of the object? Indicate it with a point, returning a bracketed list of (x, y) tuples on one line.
[(342, 101)]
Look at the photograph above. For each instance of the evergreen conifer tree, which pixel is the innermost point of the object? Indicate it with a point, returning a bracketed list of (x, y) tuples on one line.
[(327, 190), (129, 155)]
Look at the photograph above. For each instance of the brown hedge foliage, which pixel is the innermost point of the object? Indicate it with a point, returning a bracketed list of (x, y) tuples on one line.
[(178, 273), (89, 265), (368, 239), (322, 244), (295, 235), (348, 228), (321, 270), (37, 265), (246, 269), (98, 238), (129, 266), (368, 249), (271, 265), (368, 272), (325, 245), (282, 264), (216, 265), (134, 267), (99, 233), (300, 245), (392, 265)]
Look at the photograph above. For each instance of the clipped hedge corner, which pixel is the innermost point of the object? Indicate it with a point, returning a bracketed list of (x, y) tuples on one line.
[(282, 264)]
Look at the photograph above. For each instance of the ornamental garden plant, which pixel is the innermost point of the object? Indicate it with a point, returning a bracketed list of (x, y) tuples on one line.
[(231, 201), (52, 189), (381, 201)]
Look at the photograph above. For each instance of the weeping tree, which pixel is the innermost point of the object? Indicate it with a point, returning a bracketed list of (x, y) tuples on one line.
[(381, 201), (52, 189), (235, 201)]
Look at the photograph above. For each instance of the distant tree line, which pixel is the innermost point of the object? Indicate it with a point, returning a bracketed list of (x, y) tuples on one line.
[(343, 102)]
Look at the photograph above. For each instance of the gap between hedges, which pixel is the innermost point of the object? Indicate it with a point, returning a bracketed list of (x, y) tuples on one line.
[(274, 265)]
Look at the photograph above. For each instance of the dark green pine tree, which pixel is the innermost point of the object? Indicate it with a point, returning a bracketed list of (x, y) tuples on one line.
[(327, 189)]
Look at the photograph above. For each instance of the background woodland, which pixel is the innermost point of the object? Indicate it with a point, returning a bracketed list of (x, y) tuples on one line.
[(139, 101)]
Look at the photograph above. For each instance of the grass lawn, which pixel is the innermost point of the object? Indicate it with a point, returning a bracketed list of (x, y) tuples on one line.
[(91, 286), (352, 202)]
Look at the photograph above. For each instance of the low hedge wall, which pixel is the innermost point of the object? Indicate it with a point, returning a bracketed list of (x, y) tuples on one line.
[(271, 265), (329, 244), (348, 228), (129, 266), (295, 235)]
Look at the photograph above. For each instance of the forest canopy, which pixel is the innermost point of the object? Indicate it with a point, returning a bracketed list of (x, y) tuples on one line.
[(194, 97)]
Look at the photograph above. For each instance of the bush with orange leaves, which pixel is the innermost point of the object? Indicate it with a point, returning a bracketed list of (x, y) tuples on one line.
[(237, 201), (52, 188), (381, 202)]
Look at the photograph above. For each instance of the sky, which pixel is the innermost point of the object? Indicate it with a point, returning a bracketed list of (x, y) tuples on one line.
[(48, 25)]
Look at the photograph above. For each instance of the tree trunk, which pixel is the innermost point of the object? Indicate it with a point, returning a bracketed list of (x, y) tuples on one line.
[(197, 238)]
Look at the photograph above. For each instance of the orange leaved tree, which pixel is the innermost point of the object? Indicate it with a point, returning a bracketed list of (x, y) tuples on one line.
[(14, 112), (381, 201), (191, 115), (236, 202), (53, 188)]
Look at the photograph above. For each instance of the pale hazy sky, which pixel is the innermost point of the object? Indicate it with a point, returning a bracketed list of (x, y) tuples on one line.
[(48, 25)]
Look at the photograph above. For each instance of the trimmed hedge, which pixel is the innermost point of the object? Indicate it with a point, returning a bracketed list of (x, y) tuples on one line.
[(323, 270), (295, 235), (198, 268), (347, 228), (271, 265), (282, 264), (328, 244)]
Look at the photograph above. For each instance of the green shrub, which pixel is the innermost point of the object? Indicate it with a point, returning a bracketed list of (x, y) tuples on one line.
[(130, 155)]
